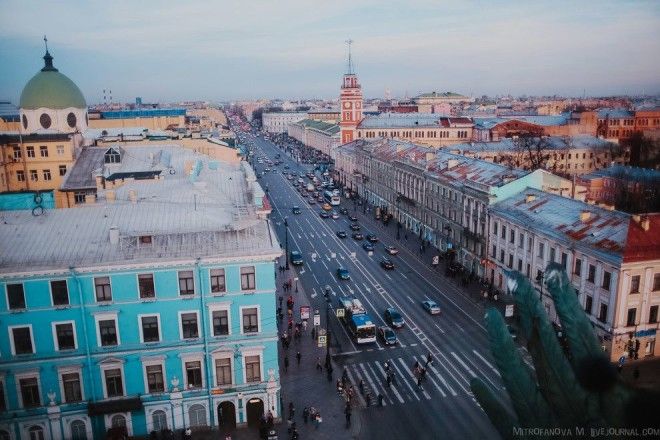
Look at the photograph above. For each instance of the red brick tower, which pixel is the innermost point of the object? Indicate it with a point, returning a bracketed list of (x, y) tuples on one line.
[(350, 102)]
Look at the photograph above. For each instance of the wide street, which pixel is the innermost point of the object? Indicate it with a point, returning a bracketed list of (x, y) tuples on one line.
[(456, 338)]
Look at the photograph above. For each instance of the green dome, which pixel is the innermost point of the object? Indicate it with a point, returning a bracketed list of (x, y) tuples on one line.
[(51, 89)]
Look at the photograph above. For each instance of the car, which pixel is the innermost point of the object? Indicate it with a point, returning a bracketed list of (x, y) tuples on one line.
[(296, 258), (327, 207), (286, 167), (343, 211), (387, 335), (320, 199), (431, 307), (372, 238), (311, 201), (289, 177), (266, 169), (324, 214), (334, 215), (368, 247), (393, 317), (343, 274), (357, 236), (341, 234), (391, 250), (296, 210), (352, 218), (386, 263), (354, 227)]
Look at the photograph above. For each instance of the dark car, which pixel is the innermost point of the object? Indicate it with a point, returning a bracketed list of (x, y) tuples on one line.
[(387, 335), (343, 211), (341, 234), (343, 274), (296, 210), (296, 258), (372, 238), (386, 263), (311, 201), (393, 317), (355, 227), (391, 250), (357, 236), (324, 214), (352, 218), (368, 247)]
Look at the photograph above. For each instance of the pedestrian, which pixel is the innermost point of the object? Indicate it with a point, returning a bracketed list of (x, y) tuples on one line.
[(387, 366), (270, 419), (419, 382), (286, 363), (348, 417), (429, 359), (294, 434), (298, 357), (304, 325), (389, 380), (361, 386), (319, 366), (228, 436), (292, 410), (416, 366), (422, 374), (318, 420), (305, 414)]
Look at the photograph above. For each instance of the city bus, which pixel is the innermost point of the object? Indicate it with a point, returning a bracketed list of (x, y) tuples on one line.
[(358, 322), (332, 198)]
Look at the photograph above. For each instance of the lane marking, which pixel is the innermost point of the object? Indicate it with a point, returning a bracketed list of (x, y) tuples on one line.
[(442, 379), (371, 383), (412, 376), (402, 377), (393, 386), (460, 361), (428, 376)]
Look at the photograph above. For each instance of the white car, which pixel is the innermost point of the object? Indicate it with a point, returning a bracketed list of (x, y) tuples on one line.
[(431, 307)]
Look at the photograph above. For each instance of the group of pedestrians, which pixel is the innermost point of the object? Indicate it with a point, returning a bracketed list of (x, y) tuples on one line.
[(420, 371)]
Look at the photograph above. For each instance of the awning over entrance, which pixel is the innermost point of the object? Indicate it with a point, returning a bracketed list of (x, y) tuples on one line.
[(112, 406)]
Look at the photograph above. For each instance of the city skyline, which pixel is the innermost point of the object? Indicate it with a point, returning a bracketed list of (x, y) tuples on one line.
[(204, 51)]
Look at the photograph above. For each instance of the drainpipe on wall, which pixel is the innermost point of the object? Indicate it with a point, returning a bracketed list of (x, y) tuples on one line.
[(205, 339), (83, 316)]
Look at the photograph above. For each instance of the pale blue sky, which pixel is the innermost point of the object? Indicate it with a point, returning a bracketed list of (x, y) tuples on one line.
[(227, 49)]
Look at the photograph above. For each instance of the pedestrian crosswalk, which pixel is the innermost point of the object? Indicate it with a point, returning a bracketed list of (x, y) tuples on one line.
[(447, 376)]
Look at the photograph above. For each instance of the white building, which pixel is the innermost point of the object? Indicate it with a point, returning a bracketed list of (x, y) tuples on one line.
[(278, 122)]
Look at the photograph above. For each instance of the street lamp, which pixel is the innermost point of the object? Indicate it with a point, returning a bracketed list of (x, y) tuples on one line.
[(286, 240), (328, 365), (540, 276)]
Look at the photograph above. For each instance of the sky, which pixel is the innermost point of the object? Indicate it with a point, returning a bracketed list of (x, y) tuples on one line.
[(223, 50)]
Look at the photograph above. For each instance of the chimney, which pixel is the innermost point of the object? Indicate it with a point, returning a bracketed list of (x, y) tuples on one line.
[(529, 198), (110, 196), (430, 155), (585, 215), (451, 163), (132, 196), (99, 183), (645, 223), (114, 235)]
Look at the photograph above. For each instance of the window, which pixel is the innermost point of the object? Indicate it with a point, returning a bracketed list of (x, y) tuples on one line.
[(59, 293), (71, 119), (65, 336), (602, 316), (108, 332), (220, 322), (102, 288), (197, 415), (150, 328), (186, 283), (3, 402), (578, 267), (653, 315), (494, 254), (510, 261), (564, 259), (159, 420), (71, 387), (495, 228), (36, 432), (20, 176), (512, 236), (43, 150), (155, 382), (47, 175), (17, 153), (60, 150), (591, 277), (45, 121), (62, 170), (588, 304), (503, 231), (634, 284), (520, 265), (112, 156), (656, 281), (29, 387), (15, 297), (223, 371), (247, 278), (521, 240), (22, 342), (502, 255), (541, 250), (632, 314), (189, 328), (146, 285), (194, 374), (118, 421), (34, 176), (607, 277), (250, 320), (79, 197), (29, 150), (252, 368), (78, 430), (218, 281), (552, 254), (114, 386)]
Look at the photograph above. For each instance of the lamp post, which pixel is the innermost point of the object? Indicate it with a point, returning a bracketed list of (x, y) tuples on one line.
[(539, 279), (286, 240), (328, 365)]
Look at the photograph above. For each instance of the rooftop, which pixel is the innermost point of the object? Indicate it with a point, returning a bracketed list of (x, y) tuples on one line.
[(193, 207), (402, 120), (628, 173), (615, 113), (319, 125), (442, 95), (549, 142)]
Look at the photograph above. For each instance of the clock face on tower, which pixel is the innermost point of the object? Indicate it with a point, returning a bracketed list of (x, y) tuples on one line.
[(347, 105)]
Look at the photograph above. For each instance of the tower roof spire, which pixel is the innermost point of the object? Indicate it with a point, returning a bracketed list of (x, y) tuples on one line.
[(350, 60), (48, 59)]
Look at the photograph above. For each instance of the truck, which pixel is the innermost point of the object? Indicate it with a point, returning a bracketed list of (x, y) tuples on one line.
[(358, 321)]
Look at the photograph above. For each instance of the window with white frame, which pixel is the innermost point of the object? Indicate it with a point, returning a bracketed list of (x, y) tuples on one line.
[(159, 420), (78, 430), (218, 281), (21, 339), (193, 369), (186, 282), (248, 278), (59, 293), (250, 319), (64, 335), (36, 432), (102, 289), (106, 327), (155, 378), (15, 296), (146, 285), (223, 375), (252, 368), (220, 321), (113, 381), (189, 325), (71, 381), (150, 328), (28, 390)]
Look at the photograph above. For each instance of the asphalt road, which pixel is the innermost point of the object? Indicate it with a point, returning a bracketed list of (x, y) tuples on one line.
[(457, 340)]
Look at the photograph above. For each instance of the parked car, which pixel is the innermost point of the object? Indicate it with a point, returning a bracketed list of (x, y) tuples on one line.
[(372, 238), (296, 210), (354, 227), (393, 317), (343, 211), (357, 236), (368, 247), (391, 250), (431, 307), (327, 207), (341, 234), (387, 335), (296, 258), (352, 218), (324, 214), (343, 274), (311, 201), (334, 215), (386, 263)]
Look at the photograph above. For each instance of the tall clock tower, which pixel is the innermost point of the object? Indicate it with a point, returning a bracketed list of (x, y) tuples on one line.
[(350, 102)]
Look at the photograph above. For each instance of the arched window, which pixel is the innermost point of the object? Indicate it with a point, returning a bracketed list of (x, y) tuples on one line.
[(78, 430), (36, 432), (4, 435), (197, 415), (118, 421), (159, 420)]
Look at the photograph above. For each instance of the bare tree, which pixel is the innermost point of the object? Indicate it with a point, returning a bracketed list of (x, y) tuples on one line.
[(530, 153)]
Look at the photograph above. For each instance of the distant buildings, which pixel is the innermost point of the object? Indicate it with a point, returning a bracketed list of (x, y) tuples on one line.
[(277, 122), (629, 189), (321, 136), (435, 102)]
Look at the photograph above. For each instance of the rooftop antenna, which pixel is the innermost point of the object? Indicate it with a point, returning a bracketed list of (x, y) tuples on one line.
[(350, 61)]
